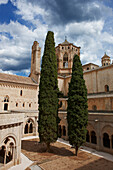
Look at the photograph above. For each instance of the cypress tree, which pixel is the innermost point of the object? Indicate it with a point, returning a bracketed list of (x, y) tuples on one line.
[(77, 113), (48, 94)]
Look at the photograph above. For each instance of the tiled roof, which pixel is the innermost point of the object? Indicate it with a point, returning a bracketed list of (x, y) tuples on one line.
[(65, 42), (16, 79)]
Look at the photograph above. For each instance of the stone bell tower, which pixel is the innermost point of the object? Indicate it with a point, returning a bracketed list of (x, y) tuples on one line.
[(35, 62), (65, 53)]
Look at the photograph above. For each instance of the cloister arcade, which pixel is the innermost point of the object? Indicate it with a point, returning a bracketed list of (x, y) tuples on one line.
[(7, 151), (104, 138)]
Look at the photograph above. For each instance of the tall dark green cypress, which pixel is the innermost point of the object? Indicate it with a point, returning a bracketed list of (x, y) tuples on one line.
[(77, 113), (48, 94)]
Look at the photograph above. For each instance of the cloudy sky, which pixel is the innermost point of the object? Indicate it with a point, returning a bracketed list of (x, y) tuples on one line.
[(86, 23)]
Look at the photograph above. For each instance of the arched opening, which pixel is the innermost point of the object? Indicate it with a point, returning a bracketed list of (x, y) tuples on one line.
[(87, 137), (87, 68), (20, 92), (7, 150), (94, 107), (93, 137), (26, 129), (64, 131), (2, 154), (59, 131), (106, 88), (106, 140), (31, 128), (5, 106), (65, 61), (112, 141)]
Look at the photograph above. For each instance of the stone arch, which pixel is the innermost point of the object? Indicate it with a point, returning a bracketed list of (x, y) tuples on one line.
[(29, 124), (107, 129), (7, 149), (106, 140)]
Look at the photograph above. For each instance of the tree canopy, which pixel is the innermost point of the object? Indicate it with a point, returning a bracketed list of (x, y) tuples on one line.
[(77, 113), (48, 94)]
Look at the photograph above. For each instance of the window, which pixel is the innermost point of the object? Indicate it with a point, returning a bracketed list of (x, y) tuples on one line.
[(87, 68), (94, 107), (106, 88), (6, 99), (65, 60), (29, 104), (16, 104), (62, 47), (106, 140), (28, 127), (23, 104), (20, 92), (5, 106), (68, 47)]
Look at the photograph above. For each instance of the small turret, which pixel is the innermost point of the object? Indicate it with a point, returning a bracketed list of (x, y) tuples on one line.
[(105, 60)]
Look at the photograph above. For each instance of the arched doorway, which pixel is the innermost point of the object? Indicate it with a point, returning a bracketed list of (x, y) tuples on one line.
[(93, 137), (106, 140)]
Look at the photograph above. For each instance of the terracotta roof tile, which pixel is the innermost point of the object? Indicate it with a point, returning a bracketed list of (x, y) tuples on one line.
[(16, 79)]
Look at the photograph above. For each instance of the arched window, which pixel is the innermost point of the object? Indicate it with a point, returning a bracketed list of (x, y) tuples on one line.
[(26, 129), (87, 137), (87, 68), (31, 128), (16, 104), (5, 106), (29, 104), (94, 107), (20, 92), (65, 60), (106, 140), (59, 131), (23, 104), (93, 137), (6, 99), (64, 131), (106, 88)]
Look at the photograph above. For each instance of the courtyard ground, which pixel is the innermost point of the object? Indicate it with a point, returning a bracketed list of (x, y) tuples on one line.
[(61, 157)]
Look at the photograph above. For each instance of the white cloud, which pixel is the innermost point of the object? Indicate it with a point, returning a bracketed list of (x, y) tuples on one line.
[(3, 2)]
